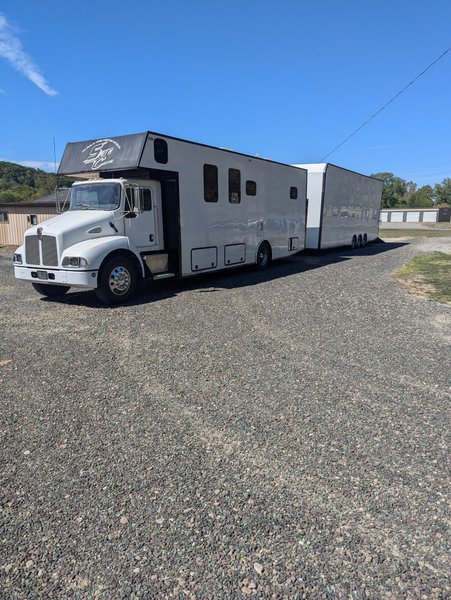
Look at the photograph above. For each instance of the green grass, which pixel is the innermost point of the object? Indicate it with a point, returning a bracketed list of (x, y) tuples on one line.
[(386, 234), (428, 275)]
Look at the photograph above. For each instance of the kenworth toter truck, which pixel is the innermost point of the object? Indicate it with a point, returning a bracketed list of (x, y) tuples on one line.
[(153, 206)]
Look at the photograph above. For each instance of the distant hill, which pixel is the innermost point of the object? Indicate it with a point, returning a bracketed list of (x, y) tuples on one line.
[(22, 184)]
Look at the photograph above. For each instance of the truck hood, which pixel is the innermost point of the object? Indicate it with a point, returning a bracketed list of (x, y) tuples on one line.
[(73, 227)]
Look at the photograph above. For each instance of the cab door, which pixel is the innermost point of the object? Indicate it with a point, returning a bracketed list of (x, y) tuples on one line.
[(141, 216)]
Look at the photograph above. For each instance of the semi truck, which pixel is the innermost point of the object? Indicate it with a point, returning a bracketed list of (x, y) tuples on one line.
[(151, 206), (343, 207)]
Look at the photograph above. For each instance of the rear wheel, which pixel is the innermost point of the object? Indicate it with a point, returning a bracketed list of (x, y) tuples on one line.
[(49, 290), (359, 242), (354, 242), (118, 280), (263, 255), (364, 240)]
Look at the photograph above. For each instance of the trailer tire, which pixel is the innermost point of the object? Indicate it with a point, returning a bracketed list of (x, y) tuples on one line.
[(364, 240), (263, 256), (118, 280), (354, 242), (49, 290)]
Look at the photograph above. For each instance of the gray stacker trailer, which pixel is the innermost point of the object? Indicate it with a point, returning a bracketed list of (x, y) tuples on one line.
[(153, 206), (343, 207)]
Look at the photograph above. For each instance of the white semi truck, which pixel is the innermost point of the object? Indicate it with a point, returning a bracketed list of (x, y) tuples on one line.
[(153, 206), (343, 207)]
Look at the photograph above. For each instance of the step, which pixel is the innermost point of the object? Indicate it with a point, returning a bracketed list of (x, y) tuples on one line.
[(163, 275)]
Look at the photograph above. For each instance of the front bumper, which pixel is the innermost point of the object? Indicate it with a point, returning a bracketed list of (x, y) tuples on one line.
[(73, 278)]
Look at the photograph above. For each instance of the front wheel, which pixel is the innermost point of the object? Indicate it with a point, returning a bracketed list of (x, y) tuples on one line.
[(118, 280), (263, 255), (49, 290)]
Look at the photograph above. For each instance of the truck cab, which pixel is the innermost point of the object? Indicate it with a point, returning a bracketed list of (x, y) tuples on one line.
[(110, 236)]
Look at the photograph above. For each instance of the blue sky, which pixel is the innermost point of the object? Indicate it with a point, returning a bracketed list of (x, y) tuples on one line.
[(285, 80)]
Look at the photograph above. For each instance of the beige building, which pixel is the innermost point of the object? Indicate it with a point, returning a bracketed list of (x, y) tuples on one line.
[(17, 217)]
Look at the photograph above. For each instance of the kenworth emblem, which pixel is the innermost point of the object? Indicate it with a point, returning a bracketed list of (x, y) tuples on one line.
[(99, 152), (39, 233)]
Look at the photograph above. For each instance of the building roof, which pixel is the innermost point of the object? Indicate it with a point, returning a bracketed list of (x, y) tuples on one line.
[(46, 201)]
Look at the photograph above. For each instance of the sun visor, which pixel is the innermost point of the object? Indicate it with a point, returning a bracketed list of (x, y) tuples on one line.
[(105, 154)]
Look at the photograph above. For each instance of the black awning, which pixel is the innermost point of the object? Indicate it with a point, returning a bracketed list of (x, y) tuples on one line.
[(105, 154)]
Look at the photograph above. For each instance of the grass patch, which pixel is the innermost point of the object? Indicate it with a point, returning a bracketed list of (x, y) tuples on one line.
[(428, 275), (386, 234)]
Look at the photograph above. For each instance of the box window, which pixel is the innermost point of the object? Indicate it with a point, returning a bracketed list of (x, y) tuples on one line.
[(234, 186), (3, 217), (293, 193), (251, 188), (210, 183), (160, 148)]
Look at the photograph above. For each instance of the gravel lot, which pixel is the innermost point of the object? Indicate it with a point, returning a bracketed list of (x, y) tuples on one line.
[(276, 435)]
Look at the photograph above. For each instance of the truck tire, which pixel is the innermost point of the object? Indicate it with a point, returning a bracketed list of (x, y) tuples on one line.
[(359, 241), (49, 290), (364, 240), (354, 242), (263, 256), (118, 280)]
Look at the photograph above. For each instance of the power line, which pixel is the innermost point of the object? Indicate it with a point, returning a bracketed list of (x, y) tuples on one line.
[(387, 103)]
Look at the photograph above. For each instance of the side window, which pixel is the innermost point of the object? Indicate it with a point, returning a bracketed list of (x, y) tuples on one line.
[(251, 188), (129, 203), (293, 193), (146, 199), (3, 217), (210, 183), (234, 186), (33, 219), (160, 149)]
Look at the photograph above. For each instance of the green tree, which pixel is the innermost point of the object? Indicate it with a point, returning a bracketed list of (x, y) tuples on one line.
[(393, 191), (442, 192), (423, 197)]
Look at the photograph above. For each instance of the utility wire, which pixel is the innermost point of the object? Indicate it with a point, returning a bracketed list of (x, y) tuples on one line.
[(387, 103)]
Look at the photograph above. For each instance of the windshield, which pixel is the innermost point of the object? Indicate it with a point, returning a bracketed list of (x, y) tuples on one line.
[(95, 196)]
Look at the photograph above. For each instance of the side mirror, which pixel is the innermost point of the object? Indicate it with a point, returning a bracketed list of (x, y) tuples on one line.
[(130, 215)]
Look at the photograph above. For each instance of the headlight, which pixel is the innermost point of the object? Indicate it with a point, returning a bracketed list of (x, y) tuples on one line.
[(17, 259), (75, 262)]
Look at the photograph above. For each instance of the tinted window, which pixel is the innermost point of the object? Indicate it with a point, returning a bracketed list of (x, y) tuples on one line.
[(251, 188), (160, 148), (293, 193), (33, 219), (234, 186), (210, 183), (146, 199)]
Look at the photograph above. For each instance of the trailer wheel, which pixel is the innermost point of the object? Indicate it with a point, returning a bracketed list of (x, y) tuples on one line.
[(364, 240), (118, 280), (49, 290), (359, 241), (354, 242), (263, 255)]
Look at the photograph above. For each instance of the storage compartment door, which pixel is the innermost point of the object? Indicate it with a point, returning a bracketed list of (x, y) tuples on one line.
[(204, 258), (234, 254)]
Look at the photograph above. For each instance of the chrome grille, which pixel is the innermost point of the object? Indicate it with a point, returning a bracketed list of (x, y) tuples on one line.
[(32, 249), (49, 253)]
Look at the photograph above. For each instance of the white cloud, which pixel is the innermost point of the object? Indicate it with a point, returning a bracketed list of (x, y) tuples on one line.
[(11, 50)]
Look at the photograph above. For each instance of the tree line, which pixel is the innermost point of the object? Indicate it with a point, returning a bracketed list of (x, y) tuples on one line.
[(399, 193), (21, 184)]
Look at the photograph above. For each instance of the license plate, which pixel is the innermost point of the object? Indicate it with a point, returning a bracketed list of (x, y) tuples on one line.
[(43, 275)]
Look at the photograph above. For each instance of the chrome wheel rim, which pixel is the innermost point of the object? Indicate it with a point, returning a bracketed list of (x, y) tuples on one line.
[(119, 281)]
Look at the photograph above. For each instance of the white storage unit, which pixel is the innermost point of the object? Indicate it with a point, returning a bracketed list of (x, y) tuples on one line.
[(413, 216), (384, 216), (430, 216), (397, 217)]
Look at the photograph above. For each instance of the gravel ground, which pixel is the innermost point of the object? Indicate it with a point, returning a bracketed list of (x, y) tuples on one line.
[(276, 435)]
